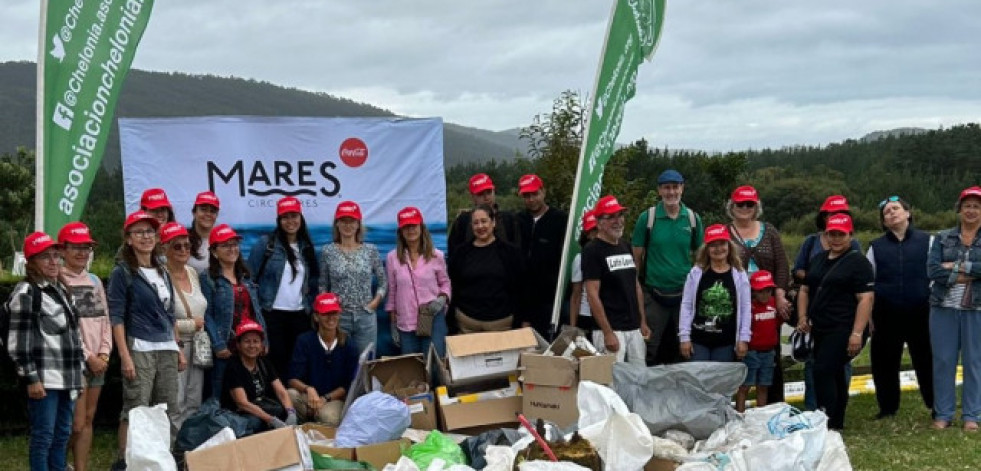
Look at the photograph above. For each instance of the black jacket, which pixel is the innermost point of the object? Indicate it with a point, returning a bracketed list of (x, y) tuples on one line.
[(541, 246)]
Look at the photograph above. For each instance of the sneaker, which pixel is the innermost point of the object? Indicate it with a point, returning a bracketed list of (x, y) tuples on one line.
[(119, 465)]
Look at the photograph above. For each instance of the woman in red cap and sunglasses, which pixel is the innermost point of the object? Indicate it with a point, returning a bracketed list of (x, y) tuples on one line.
[(45, 345), (93, 322)]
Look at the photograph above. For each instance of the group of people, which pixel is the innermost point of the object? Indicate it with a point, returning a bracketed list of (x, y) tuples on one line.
[(276, 337)]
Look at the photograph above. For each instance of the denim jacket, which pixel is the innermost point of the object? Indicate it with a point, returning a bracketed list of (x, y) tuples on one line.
[(134, 303), (947, 247), (272, 273), (221, 306)]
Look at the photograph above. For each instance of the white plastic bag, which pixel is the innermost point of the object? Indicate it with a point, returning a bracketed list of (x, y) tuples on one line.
[(622, 439), (224, 435), (499, 458), (835, 457), (148, 442)]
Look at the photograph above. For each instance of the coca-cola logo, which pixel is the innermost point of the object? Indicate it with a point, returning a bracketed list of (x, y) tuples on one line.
[(353, 152)]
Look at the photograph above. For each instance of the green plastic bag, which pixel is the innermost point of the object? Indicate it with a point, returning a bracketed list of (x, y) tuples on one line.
[(435, 446), (322, 461)]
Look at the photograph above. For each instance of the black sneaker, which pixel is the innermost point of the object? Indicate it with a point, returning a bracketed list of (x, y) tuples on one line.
[(885, 415), (119, 465)]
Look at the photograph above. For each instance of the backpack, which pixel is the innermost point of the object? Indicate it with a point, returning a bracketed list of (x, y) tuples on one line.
[(36, 299), (692, 221)]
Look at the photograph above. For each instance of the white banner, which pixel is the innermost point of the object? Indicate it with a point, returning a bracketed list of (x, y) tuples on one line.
[(383, 164)]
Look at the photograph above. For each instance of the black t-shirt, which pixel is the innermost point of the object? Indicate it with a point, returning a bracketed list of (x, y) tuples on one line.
[(256, 383), (714, 324), (480, 289), (613, 265), (832, 305)]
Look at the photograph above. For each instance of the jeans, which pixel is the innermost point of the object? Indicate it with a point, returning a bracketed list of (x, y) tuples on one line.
[(51, 425), (411, 343), (725, 353), (362, 326), (954, 331)]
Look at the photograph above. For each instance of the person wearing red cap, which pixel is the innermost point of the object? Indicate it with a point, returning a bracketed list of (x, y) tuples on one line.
[(760, 248), (205, 214), (189, 310), (835, 305), (664, 242), (232, 298), (323, 365), (155, 203), (901, 313), (612, 288), (141, 308), (954, 266), (579, 314), (542, 236), (715, 317), (765, 338), (285, 268), (487, 275), (482, 192), (93, 322), (350, 266), (251, 386), (417, 281), (46, 348)]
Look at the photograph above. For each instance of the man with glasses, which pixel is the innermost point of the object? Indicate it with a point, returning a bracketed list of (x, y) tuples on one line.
[(542, 234), (664, 241), (612, 288)]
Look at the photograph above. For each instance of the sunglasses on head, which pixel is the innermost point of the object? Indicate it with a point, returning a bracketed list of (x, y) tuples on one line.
[(891, 199)]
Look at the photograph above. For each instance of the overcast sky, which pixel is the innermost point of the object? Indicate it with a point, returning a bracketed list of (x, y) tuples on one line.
[(726, 75)]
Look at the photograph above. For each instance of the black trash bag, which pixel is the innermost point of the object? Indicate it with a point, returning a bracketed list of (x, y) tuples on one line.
[(206, 422), (475, 447)]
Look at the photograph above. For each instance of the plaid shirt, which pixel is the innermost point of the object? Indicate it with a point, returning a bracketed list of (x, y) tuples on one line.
[(46, 345)]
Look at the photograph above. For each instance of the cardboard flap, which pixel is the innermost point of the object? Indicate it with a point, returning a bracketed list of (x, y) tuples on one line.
[(548, 370), (598, 369), (268, 450), (397, 373), (483, 342)]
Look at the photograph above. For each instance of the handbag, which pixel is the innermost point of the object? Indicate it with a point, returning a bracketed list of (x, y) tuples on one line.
[(424, 321), (200, 342)]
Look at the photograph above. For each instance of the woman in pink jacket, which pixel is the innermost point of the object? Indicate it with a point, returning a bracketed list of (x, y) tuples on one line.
[(417, 278)]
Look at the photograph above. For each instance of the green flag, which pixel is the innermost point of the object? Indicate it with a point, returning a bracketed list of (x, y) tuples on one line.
[(631, 37), (84, 53)]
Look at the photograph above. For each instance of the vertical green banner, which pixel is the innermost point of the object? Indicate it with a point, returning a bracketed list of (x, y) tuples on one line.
[(84, 53), (632, 35)]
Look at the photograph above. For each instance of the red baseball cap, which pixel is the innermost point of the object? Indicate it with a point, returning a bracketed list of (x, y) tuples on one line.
[(208, 198), (248, 326), (37, 242), (479, 183), (529, 184), (288, 204), (762, 279), (839, 222), (327, 303), (171, 230), (75, 233), (716, 232), (589, 220), (140, 216), (974, 191), (221, 234), (745, 193), (155, 198), (607, 205), (835, 204), (409, 215), (347, 209)]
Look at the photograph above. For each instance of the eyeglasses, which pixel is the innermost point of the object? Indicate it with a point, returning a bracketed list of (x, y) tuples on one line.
[(145, 233), (745, 204), (891, 199), (79, 248), (181, 247)]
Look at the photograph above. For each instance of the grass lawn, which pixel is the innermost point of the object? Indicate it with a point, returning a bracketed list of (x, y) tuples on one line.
[(900, 443)]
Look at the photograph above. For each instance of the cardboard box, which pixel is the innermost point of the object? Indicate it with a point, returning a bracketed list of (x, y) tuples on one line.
[(661, 464), (263, 451), (551, 384), (472, 417), (487, 354), (377, 455), (398, 376)]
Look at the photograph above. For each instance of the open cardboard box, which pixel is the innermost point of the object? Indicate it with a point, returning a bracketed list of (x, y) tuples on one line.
[(274, 449), (489, 354), (551, 384), (395, 375), (377, 455)]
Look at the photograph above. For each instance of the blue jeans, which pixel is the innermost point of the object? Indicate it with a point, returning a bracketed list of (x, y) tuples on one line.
[(51, 425), (725, 353), (954, 331), (362, 326), (411, 343), (810, 397)]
